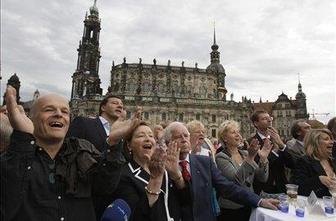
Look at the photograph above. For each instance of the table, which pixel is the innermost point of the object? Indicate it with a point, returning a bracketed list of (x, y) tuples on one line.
[(262, 214)]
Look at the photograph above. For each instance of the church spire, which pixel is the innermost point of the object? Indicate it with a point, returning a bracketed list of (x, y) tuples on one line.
[(216, 68), (299, 85), (214, 47), (214, 55), (214, 33), (94, 9), (85, 79), (301, 102), (89, 51)]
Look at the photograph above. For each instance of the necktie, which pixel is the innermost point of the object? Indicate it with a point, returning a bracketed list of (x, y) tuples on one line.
[(185, 173)]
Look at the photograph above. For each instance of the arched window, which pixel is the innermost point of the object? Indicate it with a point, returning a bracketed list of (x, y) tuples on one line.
[(146, 115), (189, 90), (203, 91), (160, 87), (180, 117), (163, 116), (176, 87), (146, 86)]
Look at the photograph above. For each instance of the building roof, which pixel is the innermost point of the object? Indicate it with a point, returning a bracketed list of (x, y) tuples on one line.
[(267, 106)]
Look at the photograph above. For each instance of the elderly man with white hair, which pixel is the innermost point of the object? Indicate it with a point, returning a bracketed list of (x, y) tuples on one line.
[(201, 176)]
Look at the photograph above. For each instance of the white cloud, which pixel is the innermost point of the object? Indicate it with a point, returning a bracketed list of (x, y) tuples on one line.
[(263, 43)]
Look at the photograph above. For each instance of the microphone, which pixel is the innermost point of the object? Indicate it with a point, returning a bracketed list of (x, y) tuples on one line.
[(118, 210)]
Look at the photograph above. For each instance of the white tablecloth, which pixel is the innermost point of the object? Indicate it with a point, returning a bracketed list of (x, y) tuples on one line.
[(261, 214)]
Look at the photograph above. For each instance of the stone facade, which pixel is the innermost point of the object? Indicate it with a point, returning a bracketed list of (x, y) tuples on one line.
[(168, 93)]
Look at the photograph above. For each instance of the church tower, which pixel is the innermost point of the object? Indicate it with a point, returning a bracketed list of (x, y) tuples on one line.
[(85, 80), (301, 111), (216, 68)]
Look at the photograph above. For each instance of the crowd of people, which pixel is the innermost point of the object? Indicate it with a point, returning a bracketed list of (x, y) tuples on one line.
[(54, 169)]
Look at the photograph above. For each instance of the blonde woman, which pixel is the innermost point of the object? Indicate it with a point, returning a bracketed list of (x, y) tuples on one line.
[(239, 166), (316, 171)]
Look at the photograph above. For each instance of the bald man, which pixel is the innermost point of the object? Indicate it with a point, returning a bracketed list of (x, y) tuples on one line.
[(47, 177)]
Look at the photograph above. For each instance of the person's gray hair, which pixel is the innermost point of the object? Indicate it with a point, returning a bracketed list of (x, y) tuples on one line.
[(167, 133), (295, 129), (192, 126)]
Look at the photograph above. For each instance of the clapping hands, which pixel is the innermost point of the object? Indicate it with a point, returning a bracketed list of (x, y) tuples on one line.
[(252, 148), (173, 153), (265, 150), (122, 128), (275, 137), (165, 158), (157, 163)]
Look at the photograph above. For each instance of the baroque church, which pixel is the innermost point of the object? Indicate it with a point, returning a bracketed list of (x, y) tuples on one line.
[(169, 93)]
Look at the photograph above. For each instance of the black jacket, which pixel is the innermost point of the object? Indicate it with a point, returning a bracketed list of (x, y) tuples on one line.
[(277, 177), (132, 189), (36, 187), (306, 175), (90, 129)]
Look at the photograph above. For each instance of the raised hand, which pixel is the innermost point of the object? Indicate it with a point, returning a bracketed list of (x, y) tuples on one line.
[(275, 137), (173, 154), (123, 113), (16, 114), (253, 148), (157, 162), (265, 150), (122, 128)]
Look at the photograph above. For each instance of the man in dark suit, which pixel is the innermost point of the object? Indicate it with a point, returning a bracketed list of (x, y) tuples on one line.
[(97, 129), (299, 130), (201, 176), (278, 159)]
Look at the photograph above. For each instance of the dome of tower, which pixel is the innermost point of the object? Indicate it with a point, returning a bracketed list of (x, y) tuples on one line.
[(214, 47), (215, 67), (300, 95)]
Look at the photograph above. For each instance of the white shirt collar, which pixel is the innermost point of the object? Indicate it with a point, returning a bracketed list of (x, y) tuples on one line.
[(105, 124), (262, 136), (187, 159)]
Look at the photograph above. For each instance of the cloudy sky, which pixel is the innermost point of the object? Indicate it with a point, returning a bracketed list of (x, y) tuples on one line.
[(264, 44)]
